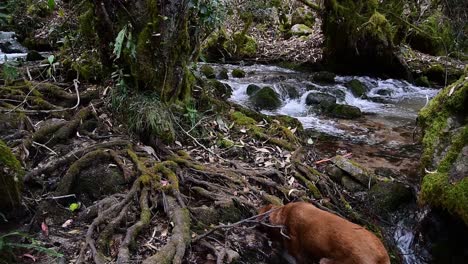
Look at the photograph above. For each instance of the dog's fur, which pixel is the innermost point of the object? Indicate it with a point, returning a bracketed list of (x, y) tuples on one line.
[(319, 236)]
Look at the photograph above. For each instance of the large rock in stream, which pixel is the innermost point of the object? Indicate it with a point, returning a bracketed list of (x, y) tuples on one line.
[(323, 99), (266, 98), (444, 122)]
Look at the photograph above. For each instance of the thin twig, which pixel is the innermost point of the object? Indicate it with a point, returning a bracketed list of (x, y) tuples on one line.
[(46, 147), (247, 220)]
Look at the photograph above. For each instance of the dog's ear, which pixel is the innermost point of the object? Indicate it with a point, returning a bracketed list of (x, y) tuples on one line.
[(265, 209)]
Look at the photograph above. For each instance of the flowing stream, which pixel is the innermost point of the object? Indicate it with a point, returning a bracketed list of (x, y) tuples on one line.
[(390, 103), (10, 48)]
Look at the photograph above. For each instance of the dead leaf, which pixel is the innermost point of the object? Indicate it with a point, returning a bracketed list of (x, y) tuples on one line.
[(45, 229), (67, 223), (291, 180)]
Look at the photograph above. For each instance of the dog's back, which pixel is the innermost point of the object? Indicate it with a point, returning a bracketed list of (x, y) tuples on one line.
[(316, 235)]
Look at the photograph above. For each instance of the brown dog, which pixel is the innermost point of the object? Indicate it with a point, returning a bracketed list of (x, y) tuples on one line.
[(319, 236)]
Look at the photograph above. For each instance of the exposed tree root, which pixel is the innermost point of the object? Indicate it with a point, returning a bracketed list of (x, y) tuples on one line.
[(174, 250)]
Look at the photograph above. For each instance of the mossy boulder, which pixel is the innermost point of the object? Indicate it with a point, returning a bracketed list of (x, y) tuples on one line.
[(238, 73), (219, 89), (11, 177), (301, 30), (445, 138), (208, 71), (290, 91), (324, 77), (422, 81), (356, 87), (322, 99), (344, 111), (304, 16), (388, 196), (252, 88), (223, 74), (34, 56), (266, 99)]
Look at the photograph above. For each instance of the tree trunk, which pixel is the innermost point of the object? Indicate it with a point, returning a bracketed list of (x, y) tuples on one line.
[(157, 45)]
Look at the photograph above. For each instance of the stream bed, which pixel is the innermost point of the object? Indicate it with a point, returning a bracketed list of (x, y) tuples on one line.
[(381, 140)]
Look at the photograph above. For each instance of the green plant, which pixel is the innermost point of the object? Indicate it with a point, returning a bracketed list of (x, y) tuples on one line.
[(51, 67), (125, 34), (7, 246), (192, 113), (208, 13)]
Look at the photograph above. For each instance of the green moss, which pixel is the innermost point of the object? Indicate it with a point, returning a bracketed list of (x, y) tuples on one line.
[(437, 189), (266, 98), (357, 88), (238, 73), (344, 111), (245, 46), (242, 120), (11, 177), (86, 22), (422, 81), (252, 88), (208, 71), (225, 143), (379, 27)]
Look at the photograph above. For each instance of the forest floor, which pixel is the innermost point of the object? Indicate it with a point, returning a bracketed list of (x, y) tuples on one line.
[(139, 202)]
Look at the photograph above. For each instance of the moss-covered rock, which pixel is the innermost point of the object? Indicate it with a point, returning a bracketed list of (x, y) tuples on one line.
[(11, 176), (34, 56), (389, 196), (219, 89), (445, 137), (266, 98), (357, 88), (344, 111), (238, 73), (252, 88), (422, 81), (208, 71), (289, 90), (301, 30), (223, 74), (324, 77), (323, 99)]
